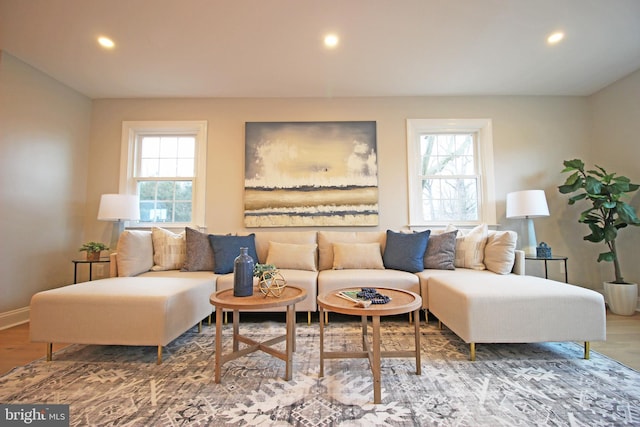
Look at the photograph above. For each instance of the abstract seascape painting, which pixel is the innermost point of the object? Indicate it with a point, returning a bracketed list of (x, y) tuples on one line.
[(310, 174)]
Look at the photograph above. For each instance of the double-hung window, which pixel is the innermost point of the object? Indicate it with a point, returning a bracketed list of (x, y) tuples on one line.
[(164, 163), (450, 164)]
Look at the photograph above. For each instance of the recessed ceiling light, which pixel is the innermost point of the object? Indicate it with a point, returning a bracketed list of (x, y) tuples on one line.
[(106, 42), (555, 37), (331, 41)]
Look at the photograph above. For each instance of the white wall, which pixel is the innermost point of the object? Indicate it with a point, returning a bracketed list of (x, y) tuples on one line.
[(532, 136), (44, 129)]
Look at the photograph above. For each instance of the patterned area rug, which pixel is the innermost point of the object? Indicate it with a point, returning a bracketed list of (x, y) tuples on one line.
[(515, 384)]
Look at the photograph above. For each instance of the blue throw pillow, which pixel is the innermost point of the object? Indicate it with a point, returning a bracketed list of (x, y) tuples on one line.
[(404, 251), (227, 248)]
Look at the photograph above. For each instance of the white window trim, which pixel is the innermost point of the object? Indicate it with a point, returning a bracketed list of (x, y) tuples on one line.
[(130, 129), (484, 129)]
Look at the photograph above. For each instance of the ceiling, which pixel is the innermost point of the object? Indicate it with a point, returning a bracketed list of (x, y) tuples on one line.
[(273, 48)]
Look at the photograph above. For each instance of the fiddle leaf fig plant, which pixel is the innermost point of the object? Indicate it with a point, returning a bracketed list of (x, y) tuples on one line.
[(608, 213)]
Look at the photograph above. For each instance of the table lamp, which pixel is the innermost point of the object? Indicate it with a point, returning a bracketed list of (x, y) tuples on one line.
[(118, 208), (528, 204)]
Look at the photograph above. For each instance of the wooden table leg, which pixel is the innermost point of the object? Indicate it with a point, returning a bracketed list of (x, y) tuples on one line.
[(417, 330), (236, 329), (289, 342), (218, 343), (375, 366), (364, 333), (321, 374)]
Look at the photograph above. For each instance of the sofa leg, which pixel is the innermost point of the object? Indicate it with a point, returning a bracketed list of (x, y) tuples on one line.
[(209, 320), (308, 318), (411, 317), (326, 317), (587, 350), (439, 325), (159, 361), (200, 327), (49, 351), (472, 351), (426, 316)]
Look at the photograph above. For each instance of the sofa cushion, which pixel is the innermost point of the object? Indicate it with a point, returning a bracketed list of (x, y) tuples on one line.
[(326, 239), (264, 238), (227, 248), (198, 252), (357, 255), (441, 251), (292, 256), (135, 252), (405, 251), (470, 247), (500, 251), (168, 249)]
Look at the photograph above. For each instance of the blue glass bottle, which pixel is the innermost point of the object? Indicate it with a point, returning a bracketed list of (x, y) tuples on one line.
[(243, 274)]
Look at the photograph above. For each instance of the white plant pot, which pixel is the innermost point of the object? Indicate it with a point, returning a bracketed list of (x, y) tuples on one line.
[(621, 298)]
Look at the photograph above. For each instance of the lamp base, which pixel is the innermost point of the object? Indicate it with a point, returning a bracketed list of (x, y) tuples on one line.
[(530, 246), (118, 228)]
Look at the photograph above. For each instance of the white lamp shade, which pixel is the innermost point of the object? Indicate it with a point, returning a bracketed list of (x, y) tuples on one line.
[(117, 207), (527, 204)]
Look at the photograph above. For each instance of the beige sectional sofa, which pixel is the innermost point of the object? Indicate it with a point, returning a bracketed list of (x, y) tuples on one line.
[(474, 284)]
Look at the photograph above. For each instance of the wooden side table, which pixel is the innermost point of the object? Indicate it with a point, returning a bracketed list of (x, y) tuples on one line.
[(104, 260), (553, 258), (225, 299), (401, 302)]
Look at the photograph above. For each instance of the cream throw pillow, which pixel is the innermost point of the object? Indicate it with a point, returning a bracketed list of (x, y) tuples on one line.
[(169, 249), (135, 252), (470, 247), (499, 253), (357, 255), (293, 256)]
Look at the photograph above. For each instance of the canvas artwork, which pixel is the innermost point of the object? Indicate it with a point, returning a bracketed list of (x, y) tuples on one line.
[(310, 174)]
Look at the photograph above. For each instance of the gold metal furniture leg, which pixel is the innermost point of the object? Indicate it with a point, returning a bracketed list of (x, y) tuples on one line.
[(587, 350), (159, 361), (209, 319), (472, 351), (426, 316), (225, 317), (49, 351), (200, 327), (308, 318), (410, 318), (439, 324)]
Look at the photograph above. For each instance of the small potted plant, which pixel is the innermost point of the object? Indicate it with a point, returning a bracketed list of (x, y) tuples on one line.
[(93, 250), (607, 215), (264, 271)]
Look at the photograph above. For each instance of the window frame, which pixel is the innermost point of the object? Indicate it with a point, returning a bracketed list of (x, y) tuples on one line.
[(131, 130), (483, 130)]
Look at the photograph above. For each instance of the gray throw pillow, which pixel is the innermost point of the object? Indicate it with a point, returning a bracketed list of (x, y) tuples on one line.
[(441, 251), (199, 255)]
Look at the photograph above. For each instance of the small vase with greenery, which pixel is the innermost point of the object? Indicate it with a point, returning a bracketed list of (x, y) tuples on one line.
[(93, 250), (264, 271)]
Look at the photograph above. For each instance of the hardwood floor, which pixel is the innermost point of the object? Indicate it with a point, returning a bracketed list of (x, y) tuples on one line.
[(623, 343)]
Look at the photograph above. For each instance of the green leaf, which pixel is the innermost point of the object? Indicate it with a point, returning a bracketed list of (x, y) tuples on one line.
[(627, 213), (610, 233), (593, 186), (607, 256), (573, 165)]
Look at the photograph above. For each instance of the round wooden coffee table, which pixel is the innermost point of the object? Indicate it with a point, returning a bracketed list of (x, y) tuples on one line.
[(225, 299), (401, 302)]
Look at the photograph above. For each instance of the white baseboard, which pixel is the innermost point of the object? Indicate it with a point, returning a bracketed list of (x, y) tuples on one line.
[(12, 318)]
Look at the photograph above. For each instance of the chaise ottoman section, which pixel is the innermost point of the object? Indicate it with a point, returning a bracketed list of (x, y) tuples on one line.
[(121, 311), (492, 308)]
